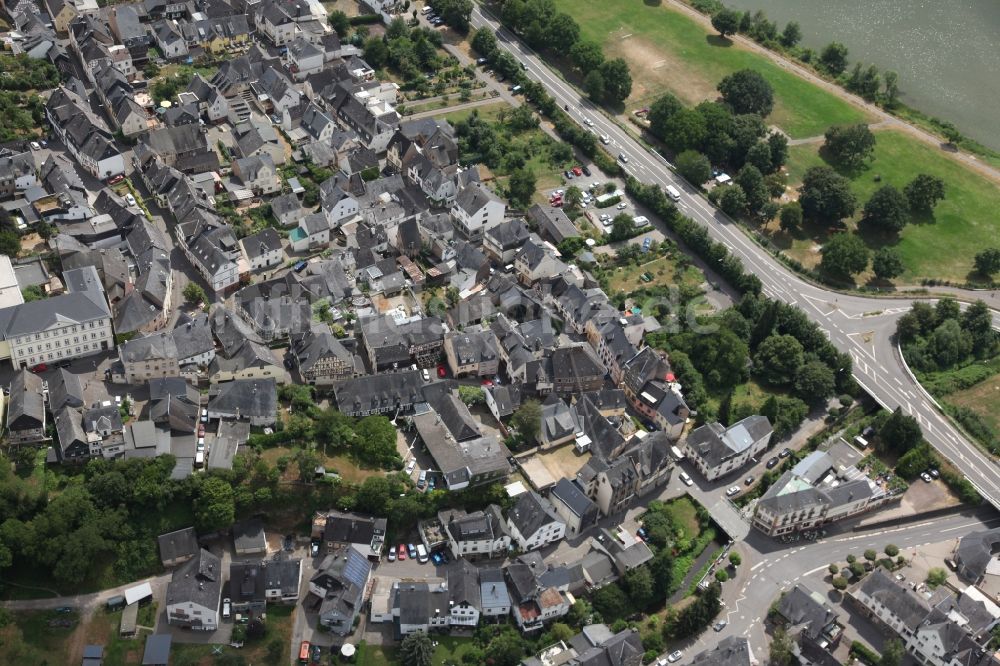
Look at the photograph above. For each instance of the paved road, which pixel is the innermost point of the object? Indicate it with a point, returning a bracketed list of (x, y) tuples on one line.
[(859, 326), (772, 570)]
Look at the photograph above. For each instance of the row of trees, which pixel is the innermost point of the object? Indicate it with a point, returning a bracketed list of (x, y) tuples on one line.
[(546, 29), (455, 13), (831, 60)]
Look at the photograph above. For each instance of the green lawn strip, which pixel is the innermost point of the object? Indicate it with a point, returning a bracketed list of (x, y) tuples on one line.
[(449, 650), (802, 109), (486, 111), (376, 655), (963, 223)]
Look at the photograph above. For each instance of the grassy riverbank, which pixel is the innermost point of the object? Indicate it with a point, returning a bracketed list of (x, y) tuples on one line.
[(670, 51), (941, 246)]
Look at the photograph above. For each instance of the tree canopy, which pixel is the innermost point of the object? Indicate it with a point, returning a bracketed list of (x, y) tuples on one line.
[(826, 196), (746, 91)]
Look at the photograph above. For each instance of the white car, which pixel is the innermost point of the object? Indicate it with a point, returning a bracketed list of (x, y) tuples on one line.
[(622, 206), (735, 490), (427, 375), (130, 199), (605, 139), (226, 608), (623, 158), (204, 416), (410, 466), (589, 122), (674, 656), (35, 146), (686, 479)]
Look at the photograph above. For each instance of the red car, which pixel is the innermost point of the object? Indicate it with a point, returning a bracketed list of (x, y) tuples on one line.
[(487, 383), (201, 430), (441, 372), (41, 367), (577, 171), (117, 179), (401, 552)]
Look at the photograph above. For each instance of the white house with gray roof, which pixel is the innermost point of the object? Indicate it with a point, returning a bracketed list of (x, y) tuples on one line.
[(717, 451), (194, 593), (534, 523), (73, 325), (263, 249), (819, 490), (477, 209)]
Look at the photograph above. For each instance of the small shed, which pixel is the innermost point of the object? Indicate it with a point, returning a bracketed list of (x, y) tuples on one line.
[(249, 538), (140, 594), (157, 652), (93, 655), (130, 617)]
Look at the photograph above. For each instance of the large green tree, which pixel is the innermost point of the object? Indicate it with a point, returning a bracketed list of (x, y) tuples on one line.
[(522, 186), (214, 505), (844, 256), (746, 91), (778, 359), (726, 21), (849, 145), (527, 420), (887, 263), (826, 196), (814, 381), (887, 210), (987, 262), (694, 167), (684, 130), (899, 433), (924, 192), (833, 58), (416, 649), (617, 80)]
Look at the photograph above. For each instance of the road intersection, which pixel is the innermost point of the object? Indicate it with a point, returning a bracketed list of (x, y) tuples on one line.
[(860, 326)]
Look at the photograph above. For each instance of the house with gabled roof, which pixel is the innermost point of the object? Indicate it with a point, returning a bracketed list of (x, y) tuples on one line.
[(533, 522), (194, 593), (26, 414)]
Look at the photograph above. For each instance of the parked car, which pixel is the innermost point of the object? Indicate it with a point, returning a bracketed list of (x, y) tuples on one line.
[(410, 466), (227, 606), (204, 416), (785, 452), (436, 558), (402, 552), (427, 375), (586, 171), (773, 462), (314, 548), (720, 625), (577, 171), (35, 146), (674, 656), (934, 473), (411, 550), (41, 367), (391, 555), (130, 199), (622, 205), (749, 480), (441, 372), (926, 477), (686, 479), (733, 491)]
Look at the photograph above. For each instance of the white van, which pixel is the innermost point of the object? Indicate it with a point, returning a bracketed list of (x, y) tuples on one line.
[(673, 193), (426, 9), (421, 554), (686, 479)]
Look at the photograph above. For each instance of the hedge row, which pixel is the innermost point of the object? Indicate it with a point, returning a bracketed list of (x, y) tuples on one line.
[(695, 236), (365, 19)]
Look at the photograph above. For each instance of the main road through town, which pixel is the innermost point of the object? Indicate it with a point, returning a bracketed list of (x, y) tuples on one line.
[(860, 326)]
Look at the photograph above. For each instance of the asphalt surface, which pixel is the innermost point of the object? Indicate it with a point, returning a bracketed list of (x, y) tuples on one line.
[(860, 326)]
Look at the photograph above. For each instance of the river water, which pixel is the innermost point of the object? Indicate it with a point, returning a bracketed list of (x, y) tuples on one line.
[(946, 52)]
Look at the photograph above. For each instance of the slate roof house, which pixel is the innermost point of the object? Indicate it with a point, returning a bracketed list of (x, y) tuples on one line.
[(577, 510), (810, 621), (253, 399), (26, 409), (394, 393), (336, 590), (716, 450), (194, 593), (321, 358), (534, 523), (477, 534), (178, 547)]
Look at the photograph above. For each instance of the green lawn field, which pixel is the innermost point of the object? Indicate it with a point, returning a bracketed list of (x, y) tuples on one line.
[(943, 246), (668, 50)]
